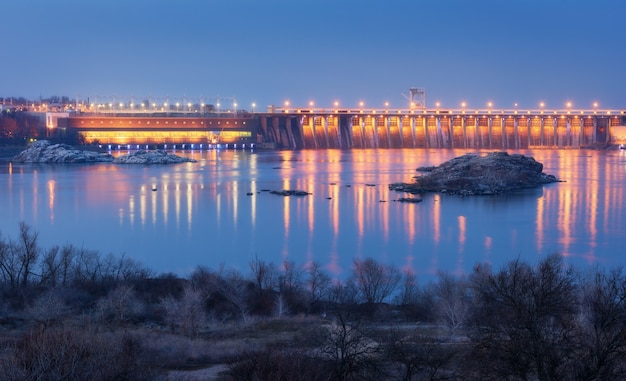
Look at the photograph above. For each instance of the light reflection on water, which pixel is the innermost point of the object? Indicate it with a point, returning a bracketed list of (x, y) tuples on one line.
[(201, 213)]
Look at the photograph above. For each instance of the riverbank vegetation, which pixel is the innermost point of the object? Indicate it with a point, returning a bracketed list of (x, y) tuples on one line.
[(69, 313)]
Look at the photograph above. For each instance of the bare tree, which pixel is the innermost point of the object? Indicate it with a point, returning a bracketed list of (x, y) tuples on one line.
[(524, 320), (317, 283), (18, 258), (601, 353), (236, 291), (50, 266), (353, 354), (263, 274), (409, 291), (28, 252), (374, 282), (452, 301), (290, 288)]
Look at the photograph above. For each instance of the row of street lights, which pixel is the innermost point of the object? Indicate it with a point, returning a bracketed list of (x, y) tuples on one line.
[(154, 107), (490, 105)]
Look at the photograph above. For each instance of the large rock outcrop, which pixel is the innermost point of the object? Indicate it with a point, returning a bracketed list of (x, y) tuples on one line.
[(151, 157), (473, 174), (43, 151)]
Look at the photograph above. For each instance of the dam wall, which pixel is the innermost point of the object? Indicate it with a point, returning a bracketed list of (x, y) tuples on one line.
[(345, 129)]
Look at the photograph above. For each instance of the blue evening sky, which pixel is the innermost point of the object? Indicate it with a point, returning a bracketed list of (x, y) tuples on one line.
[(269, 51)]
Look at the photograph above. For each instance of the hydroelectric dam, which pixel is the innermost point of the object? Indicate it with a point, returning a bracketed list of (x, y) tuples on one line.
[(441, 128), (318, 128)]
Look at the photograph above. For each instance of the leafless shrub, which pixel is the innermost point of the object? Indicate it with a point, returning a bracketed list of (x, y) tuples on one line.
[(120, 305), (186, 313), (418, 356), (72, 353), (48, 308)]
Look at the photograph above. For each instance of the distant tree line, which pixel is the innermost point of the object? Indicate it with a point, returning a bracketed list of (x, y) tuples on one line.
[(70, 313)]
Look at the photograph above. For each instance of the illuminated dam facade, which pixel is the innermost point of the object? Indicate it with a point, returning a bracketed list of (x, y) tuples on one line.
[(158, 130), (357, 128)]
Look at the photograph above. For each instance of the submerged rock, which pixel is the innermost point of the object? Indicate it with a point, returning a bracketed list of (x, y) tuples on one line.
[(290, 192), (412, 200), (43, 151), (151, 157), (472, 174)]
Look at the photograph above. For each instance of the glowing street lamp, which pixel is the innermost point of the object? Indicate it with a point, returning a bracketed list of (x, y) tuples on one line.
[(253, 106), (568, 105)]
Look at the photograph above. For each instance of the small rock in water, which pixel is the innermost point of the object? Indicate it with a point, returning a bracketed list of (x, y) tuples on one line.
[(151, 157), (287, 192)]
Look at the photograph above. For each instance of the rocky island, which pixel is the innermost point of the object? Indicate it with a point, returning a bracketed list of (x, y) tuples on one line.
[(151, 157), (43, 151), (473, 174)]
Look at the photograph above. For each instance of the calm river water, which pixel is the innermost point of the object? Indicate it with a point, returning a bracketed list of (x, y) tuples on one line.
[(202, 214)]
